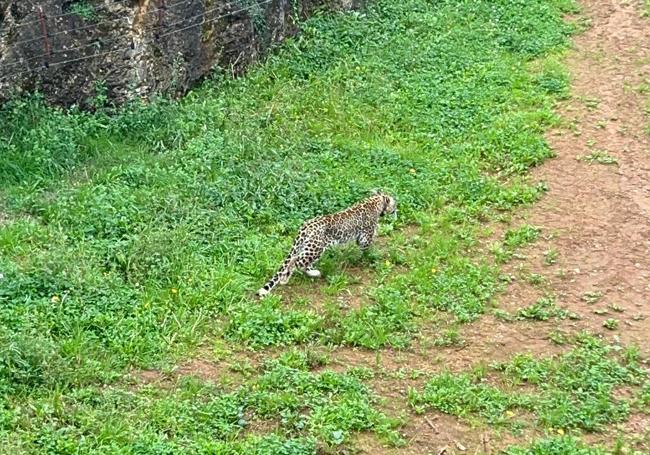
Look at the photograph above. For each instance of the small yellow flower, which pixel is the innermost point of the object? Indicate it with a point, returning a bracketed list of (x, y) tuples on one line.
[(55, 299), (433, 270), (387, 263), (412, 171), (560, 431), (510, 413), (174, 291)]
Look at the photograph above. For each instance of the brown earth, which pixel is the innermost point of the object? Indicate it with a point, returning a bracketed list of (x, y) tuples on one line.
[(602, 212)]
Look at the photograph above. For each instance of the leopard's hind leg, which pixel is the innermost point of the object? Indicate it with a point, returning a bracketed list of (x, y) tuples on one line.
[(307, 258)]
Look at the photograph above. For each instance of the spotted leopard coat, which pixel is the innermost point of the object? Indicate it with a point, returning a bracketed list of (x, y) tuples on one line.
[(357, 223)]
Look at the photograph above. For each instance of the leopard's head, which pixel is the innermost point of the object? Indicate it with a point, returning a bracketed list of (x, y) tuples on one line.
[(389, 205)]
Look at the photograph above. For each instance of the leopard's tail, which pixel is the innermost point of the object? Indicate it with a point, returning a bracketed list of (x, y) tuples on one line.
[(283, 274)]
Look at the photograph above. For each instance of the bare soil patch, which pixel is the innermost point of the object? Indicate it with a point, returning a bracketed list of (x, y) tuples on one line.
[(227, 372), (602, 212)]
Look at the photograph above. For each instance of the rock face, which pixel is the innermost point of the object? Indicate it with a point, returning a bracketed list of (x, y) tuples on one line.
[(74, 50)]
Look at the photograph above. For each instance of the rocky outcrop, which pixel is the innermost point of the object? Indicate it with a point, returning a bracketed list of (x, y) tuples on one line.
[(74, 50)]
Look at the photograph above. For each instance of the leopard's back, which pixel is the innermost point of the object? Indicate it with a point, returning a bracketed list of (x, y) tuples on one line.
[(343, 226)]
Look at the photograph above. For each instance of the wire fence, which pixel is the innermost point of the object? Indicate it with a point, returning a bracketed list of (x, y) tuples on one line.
[(88, 10), (161, 30)]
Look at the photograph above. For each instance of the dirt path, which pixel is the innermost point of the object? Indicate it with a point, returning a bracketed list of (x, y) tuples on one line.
[(601, 213)]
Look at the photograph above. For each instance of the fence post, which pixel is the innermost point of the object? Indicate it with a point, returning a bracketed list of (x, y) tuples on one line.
[(46, 41)]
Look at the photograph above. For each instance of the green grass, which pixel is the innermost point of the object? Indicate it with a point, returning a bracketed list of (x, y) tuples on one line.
[(565, 445), (574, 391), (301, 407), (128, 237), (515, 239), (543, 309), (462, 395)]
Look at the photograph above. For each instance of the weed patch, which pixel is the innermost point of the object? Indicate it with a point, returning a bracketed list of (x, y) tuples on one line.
[(513, 240), (599, 157), (198, 418), (564, 445), (542, 310), (572, 391), (269, 325)]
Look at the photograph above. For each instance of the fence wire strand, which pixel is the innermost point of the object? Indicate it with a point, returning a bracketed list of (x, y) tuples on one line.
[(114, 51)]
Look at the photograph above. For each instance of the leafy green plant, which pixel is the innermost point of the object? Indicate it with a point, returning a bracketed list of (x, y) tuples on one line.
[(591, 297), (303, 407), (611, 324), (83, 9), (269, 325), (384, 323), (515, 239), (599, 157), (552, 83), (535, 279), (461, 395), (645, 396), (550, 256), (449, 337), (558, 337), (524, 235), (503, 315), (542, 310)]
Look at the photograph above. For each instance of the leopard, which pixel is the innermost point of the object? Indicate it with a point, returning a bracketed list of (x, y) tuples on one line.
[(358, 223)]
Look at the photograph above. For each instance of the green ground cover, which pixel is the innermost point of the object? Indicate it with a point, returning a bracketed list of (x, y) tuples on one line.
[(129, 237)]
